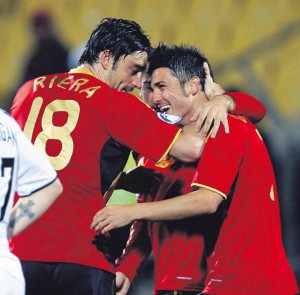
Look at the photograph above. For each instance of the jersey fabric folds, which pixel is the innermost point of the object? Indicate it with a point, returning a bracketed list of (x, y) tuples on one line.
[(70, 117), (178, 246), (248, 256)]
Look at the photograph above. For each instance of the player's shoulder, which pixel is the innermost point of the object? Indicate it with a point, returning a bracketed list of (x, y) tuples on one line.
[(3, 113), (6, 119), (239, 122), (237, 119), (9, 129), (239, 127)]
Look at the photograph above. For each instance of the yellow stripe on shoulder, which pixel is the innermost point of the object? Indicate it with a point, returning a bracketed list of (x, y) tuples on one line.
[(165, 155), (210, 188), (241, 118), (258, 134), (272, 195)]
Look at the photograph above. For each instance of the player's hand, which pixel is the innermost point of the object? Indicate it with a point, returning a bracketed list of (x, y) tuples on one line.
[(211, 88), (122, 283), (213, 113), (140, 180), (112, 216)]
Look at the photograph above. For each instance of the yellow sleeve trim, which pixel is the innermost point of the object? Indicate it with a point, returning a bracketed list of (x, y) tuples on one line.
[(211, 189), (165, 155)]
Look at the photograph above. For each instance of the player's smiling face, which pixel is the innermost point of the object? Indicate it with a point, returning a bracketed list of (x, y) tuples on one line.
[(168, 95), (126, 74)]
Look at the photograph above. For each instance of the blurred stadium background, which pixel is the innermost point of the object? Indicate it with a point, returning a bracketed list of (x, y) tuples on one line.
[(253, 46)]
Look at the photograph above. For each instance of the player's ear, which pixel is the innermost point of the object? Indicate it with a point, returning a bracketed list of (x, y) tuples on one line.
[(106, 59), (193, 85)]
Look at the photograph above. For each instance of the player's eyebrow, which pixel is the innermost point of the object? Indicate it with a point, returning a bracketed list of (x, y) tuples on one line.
[(141, 68), (158, 83)]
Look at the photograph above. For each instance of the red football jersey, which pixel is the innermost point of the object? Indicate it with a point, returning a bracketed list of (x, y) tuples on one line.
[(248, 256), (70, 117), (178, 246)]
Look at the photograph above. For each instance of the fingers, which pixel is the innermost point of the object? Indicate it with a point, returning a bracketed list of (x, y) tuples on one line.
[(216, 126), (111, 217), (207, 71), (205, 119), (120, 278), (104, 226), (210, 116), (199, 116), (215, 129), (122, 284), (208, 124), (211, 88), (101, 222), (226, 125)]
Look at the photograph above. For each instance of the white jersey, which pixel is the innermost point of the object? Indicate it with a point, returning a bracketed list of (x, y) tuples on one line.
[(23, 170)]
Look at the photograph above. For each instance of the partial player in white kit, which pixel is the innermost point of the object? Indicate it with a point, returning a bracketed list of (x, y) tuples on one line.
[(25, 171)]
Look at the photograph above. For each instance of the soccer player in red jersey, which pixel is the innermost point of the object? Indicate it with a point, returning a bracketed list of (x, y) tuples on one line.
[(232, 205), (70, 117), (176, 267)]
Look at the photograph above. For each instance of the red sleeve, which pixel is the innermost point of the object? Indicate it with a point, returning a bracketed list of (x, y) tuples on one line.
[(131, 122), (137, 250), (248, 106)]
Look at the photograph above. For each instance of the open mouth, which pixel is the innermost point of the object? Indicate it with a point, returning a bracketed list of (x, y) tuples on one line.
[(162, 109)]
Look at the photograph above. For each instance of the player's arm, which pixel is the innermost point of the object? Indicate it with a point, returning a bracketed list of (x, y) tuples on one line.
[(189, 144), (202, 201), (215, 112), (137, 250), (29, 209), (37, 185), (247, 106)]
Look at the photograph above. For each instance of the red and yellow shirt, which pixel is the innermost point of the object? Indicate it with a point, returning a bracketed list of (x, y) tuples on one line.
[(70, 117), (248, 256)]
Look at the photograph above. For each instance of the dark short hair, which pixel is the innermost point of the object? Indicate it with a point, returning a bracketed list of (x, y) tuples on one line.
[(185, 61), (121, 37)]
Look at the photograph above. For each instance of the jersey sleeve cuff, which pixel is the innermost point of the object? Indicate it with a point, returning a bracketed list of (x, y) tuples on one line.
[(224, 196)]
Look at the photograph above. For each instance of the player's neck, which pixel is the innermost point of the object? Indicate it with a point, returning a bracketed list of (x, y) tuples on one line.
[(95, 70)]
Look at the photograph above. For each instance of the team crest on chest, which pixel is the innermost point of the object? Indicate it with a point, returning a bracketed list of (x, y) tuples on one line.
[(165, 163)]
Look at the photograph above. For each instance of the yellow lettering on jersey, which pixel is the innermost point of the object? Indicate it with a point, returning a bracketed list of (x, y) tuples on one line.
[(65, 81), (61, 133), (38, 82), (32, 117), (272, 196), (165, 163), (52, 81), (66, 84), (78, 83), (90, 91)]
